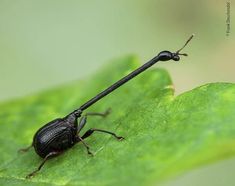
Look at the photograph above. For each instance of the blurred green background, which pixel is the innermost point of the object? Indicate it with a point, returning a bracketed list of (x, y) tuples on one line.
[(47, 43)]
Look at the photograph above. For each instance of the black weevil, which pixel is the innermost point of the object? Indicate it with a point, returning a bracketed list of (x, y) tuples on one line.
[(63, 133)]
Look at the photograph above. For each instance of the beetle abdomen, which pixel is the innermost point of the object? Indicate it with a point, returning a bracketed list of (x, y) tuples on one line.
[(55, 136)]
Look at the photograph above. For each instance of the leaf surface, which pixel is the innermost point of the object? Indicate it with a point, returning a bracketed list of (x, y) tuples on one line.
[(164, 135)]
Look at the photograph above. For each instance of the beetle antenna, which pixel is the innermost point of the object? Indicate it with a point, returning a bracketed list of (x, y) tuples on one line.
[(186, 43)]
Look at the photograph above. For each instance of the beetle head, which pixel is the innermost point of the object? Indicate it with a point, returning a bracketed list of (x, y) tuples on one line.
[(167, 55)]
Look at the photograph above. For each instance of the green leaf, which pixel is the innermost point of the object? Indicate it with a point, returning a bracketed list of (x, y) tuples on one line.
[(164, 135)]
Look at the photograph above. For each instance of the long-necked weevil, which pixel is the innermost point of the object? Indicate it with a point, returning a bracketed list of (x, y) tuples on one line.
[(62, 133)]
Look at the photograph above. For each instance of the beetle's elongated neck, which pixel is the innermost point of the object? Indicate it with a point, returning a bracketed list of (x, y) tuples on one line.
[(119, 83), (162, 56)]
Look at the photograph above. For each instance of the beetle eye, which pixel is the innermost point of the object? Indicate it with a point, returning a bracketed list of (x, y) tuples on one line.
[(176, 58)]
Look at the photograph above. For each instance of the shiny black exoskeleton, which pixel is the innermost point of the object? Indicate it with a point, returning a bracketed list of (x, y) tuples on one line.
[(58, 135), (61, 134)]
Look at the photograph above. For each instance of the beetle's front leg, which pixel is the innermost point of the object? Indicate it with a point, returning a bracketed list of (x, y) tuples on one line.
[(83, 119), (84, 143), (90, 132), (82, 123)]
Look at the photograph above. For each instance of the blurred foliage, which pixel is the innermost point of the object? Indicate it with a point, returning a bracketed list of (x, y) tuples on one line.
[(165, 135), (55, 42)]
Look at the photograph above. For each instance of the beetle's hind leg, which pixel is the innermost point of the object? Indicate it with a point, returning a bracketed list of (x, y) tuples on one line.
[(90, 132), (25, 149), (50, 155)]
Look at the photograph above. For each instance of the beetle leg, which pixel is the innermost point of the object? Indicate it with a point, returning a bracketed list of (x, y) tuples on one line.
[(104, 114), (84, 143), (90, 131), (83, 119), (25, 149), (51, 154), (81, 124)]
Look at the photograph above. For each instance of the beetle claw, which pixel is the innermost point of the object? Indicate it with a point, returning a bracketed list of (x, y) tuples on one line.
[(21, 150), (29, 175), (90, 153), (107, 112), (24, 149), (120, 138)]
